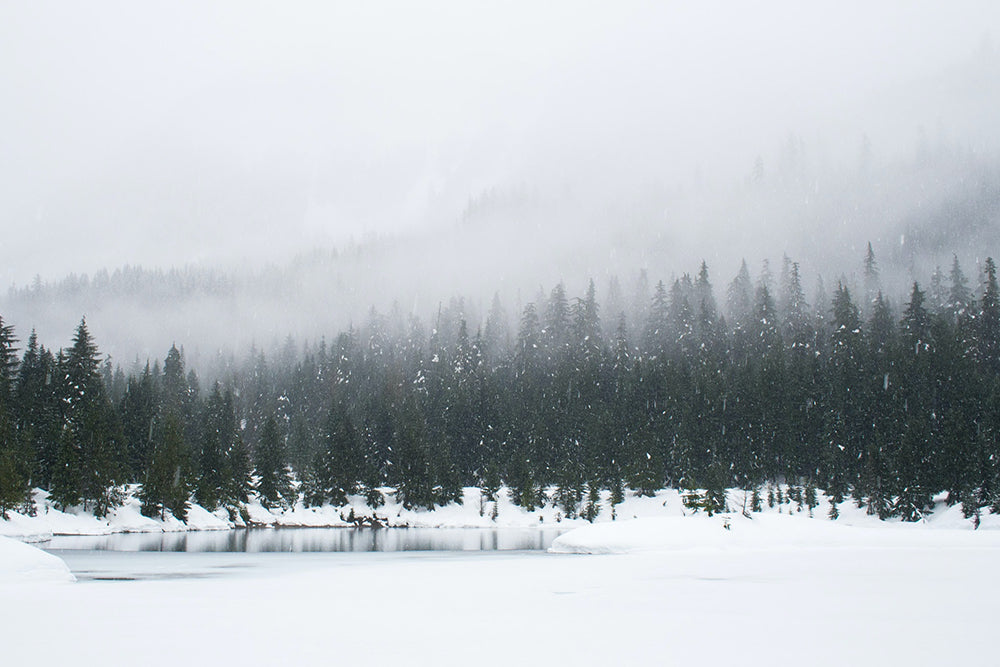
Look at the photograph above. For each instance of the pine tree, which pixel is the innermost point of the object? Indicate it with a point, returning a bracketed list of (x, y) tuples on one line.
[(795, 327), (712, 499), (593, 507), (681, 321), (645, 475), (556, 322), (175, 389), (496, 337), (14, 467), (881, 328), (843, 434), (872, 282), (415, 477), (938, 292), (273, 482), (36, 411), (657, 323), (707, 311), (916, 324), (490, 482), (215, 441), (139, 408), (959, 296), (166, 485), (570, 485), (336, 468), (617, 490), (987, 331), (239, 483), (88, 463), (739, 297), (8, 362)]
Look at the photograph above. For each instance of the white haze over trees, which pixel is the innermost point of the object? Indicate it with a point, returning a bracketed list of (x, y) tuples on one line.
[(279, 170)]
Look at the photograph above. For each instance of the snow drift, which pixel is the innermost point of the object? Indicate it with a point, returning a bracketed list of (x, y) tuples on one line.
[(22, 562), (762, 532)]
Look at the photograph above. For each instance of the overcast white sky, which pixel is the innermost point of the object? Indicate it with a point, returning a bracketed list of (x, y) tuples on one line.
[(164, 133)]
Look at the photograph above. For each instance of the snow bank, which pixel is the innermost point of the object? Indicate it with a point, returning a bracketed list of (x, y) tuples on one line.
[(21, 562), (474, 512), (661, 534), (49, 521), (127, 518), (761, 532)]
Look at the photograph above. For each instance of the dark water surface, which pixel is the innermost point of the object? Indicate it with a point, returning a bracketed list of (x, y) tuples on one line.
[(297, 540), (260, 551)]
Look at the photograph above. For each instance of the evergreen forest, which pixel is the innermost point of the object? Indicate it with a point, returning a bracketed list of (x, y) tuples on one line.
[(886, 399)]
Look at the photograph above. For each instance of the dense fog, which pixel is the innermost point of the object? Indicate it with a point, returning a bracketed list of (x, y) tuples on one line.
[(278, 171)]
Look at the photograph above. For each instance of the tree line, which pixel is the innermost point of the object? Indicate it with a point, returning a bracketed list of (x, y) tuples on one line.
[(852, 394)]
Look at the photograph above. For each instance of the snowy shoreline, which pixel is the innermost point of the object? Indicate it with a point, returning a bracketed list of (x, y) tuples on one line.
[(127, 518), (473, 512)]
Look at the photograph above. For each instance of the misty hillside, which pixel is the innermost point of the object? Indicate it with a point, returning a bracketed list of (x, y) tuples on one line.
[(916, 213), (233, 201)]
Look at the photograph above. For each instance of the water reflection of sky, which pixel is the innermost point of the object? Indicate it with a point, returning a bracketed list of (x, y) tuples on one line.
[(317, 540)]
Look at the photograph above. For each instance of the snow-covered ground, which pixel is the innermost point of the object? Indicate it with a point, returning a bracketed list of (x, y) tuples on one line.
[(770, 590), (23, 563), (473, 512), (760, 532), (671, 588)]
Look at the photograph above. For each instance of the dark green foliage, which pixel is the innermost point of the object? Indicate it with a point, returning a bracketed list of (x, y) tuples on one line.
[(810, 497), (712, 498), (415, 475), (645, 474), (335, 470), (239, 482), (524, 489), (617, 491), (90, 455), (166, 485), (490, 483), (374, 498), (139, 407), (11, 484), (15, 461), (273, 480), (593, 505), (37, 412), (987, 329), (885, 405), (217, 439), (834, 512), (570, 490), (715, 489)]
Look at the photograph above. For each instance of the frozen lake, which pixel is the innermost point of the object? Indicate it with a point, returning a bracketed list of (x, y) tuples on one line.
[(882, 597)]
